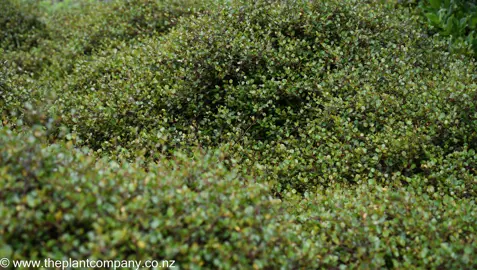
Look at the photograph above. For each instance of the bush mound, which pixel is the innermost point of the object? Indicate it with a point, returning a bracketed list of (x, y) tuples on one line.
[(22, 36), (75, 31), (40, 42), (20, 27), (372, 227), (202, 215), (86, 27), (314, 92), (193, 211)]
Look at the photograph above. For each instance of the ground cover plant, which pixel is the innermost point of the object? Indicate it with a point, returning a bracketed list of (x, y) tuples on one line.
[(238, 134)]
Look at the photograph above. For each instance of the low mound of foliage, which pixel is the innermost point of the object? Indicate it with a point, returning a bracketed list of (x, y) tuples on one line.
[(238, 134), (49, 40), (75, 30), (372, 227), (90, 26), (20, 27), (22, 34), (202, 215), (315, 93), (193, 211)]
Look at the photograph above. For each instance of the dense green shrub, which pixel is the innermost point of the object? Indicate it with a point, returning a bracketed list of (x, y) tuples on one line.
[(20, 27), (22, 35), (311, 93), (88, 26), (35, 36), (21, 106), (42, 42), (59, 202), (13, 94), (371, 227)]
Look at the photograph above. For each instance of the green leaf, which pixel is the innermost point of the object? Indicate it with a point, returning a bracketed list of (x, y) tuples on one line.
[(436, 4), (433, 18)]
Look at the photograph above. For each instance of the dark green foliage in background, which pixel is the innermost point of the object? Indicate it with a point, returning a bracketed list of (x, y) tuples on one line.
[(22, 35), (58, 35), (20, 27), (89, 25), (456, 19)]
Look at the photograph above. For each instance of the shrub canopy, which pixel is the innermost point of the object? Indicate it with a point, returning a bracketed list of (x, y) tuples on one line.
[(193, 211), (314, 92), (60, 202)]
